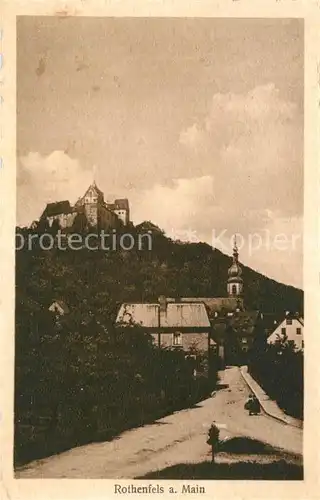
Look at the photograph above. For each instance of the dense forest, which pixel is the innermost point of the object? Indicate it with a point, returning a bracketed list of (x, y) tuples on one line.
[(101, 280), (77, 378)]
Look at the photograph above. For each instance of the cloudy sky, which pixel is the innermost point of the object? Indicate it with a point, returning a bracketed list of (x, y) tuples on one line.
[(199, 122)]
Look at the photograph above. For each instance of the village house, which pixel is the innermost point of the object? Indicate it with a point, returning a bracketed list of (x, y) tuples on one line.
[(171, 323), (213, 325), (290, 328)]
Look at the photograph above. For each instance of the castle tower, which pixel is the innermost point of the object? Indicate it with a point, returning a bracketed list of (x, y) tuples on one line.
[(235, 282)]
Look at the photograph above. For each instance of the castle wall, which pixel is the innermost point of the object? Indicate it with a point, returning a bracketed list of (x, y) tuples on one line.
[(123, 215), (91, 212), (65, 220), (107, 219)]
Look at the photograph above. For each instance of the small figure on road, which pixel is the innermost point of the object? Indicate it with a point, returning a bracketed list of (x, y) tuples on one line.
[(213, 439), (252, 405)]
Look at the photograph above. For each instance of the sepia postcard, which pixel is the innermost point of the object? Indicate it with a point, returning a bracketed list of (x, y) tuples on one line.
[(159, 233)]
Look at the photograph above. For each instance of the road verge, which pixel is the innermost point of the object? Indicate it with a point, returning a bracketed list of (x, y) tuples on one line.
[(269, 406)]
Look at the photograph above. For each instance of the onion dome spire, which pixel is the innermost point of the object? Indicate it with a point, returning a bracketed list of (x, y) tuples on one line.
[(235, 282)]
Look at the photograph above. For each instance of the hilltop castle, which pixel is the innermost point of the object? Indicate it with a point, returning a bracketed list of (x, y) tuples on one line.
[(93, 209)]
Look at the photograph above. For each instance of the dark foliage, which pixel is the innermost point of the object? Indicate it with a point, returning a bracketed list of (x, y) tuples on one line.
[(275, 470), (77, 379), (278, 368)]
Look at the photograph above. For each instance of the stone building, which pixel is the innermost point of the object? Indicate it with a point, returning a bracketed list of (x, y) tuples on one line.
[(92, 205), (97, 212), (121, 208)]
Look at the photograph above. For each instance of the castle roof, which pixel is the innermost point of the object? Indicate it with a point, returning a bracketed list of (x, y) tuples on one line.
[(57, 208)]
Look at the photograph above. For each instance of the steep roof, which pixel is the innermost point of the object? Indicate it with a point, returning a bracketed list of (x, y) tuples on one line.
[(92, 187), (270, 321), (57, 208), (216, 304), (176, 315)]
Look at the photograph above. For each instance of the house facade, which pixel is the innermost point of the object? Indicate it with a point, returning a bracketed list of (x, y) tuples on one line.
[(173, 324), (291, 328)]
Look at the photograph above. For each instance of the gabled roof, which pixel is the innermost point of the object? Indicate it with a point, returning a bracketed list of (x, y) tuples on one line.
[(216, 304), (61, 304), (176, 315), (95, 188), (57, 208), (271, 321)]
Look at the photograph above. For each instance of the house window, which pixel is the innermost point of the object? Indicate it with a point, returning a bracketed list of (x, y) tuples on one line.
[(234, 290), (298, 331), (283, 331), (289, 321), (177, 338), (302, 344)]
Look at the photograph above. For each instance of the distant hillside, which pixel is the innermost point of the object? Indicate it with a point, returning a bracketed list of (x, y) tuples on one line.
[(98, 281)]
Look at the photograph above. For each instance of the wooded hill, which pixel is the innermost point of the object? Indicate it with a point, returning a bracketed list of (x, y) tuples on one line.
[(99, 281), (77, 379)]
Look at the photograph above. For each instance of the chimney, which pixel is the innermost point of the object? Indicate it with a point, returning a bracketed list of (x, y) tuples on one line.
[(162, 314)]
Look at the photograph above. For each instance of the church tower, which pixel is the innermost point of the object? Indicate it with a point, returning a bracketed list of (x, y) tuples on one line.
[(235, 282)]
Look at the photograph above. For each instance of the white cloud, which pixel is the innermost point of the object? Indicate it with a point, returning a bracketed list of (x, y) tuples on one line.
[(253, 144), (270, 243), (45, 179), (174, 207)]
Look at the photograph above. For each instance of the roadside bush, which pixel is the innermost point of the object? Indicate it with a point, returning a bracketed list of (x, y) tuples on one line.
[(278, 368), (78, 381)]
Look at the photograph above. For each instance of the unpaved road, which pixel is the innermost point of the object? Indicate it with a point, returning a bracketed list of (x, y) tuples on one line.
[(178, 438)]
